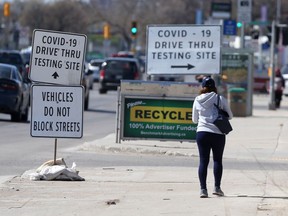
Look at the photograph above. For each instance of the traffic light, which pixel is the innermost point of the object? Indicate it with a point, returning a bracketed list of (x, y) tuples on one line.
[(6, 9), (106, 31), (239, 24), (134, 29)]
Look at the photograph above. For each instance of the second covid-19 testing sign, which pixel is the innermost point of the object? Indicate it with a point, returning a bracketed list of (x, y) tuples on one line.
[(183, 49)]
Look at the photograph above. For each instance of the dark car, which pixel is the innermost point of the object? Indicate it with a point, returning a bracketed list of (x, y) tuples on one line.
[(85, 84), (14, 57), (88, 75), (115, 69), (284, 72), (14, 93)]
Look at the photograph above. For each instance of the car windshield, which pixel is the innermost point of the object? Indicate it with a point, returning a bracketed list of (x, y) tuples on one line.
[(95, 64), (5, 73), (121, 65)]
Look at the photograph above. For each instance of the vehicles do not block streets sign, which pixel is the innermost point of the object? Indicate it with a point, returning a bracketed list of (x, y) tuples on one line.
[(183, 49), (57, 57), (57, 111)]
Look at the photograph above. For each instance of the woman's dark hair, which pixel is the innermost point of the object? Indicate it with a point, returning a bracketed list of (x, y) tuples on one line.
[(208, 90), (208, 85)]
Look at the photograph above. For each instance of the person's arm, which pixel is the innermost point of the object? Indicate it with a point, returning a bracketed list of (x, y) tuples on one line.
[(195, 114)]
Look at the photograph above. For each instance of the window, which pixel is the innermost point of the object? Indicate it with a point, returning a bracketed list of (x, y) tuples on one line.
[(5, 73)]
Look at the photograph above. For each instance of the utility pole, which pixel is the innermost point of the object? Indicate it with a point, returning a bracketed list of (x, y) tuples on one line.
[(278, 12), (272, 105), (280, 52), (6, 14), (272, 67), (242, 36)]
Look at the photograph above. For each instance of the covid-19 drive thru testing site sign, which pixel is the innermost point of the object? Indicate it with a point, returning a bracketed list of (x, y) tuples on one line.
[(183, 49), (57, 57)]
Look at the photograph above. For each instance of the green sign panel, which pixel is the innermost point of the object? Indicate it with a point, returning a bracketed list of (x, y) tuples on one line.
[(161, 119)]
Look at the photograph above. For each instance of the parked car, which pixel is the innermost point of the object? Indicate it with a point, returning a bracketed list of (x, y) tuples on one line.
[(14, 93), (85, 84), (14, 57), (94, 67), (26, 57), (88, 76), (115, 69), (284, 72)]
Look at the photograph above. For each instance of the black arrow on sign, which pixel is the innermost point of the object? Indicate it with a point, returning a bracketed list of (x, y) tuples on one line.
[(188, 66), (55, 75)]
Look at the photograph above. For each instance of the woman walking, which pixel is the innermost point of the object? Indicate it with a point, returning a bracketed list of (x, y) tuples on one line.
[(208, 136)]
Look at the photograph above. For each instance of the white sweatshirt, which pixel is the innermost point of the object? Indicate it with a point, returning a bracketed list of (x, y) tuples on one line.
[(204, 112)]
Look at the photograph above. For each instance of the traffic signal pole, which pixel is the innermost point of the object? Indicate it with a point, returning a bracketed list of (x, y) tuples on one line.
[(242, 36), (134, 32), (106, 37), (6, 14), (272, 105)]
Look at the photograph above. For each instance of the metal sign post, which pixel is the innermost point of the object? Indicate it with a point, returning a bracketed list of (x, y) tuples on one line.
[(55, 150), (242, 43)]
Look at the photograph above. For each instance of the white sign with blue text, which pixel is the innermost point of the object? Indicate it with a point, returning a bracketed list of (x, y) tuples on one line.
[(183, 49), (57, 57)]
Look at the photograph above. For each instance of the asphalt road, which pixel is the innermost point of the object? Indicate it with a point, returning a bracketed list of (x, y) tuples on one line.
[(21, 152)]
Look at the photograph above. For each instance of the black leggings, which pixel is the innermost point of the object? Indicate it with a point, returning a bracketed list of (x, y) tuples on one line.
[(207, 141)]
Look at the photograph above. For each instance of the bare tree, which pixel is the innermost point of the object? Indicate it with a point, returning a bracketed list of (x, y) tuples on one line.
[(59, 16), (76, 16), (33, 14), (120, 13), (67, 16)]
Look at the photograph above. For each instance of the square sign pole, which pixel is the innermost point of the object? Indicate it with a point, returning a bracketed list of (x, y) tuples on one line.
[(57, 111), (57, 57), (183, 49)]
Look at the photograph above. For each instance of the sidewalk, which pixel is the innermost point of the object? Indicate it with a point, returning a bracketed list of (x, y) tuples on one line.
[(260, 139)]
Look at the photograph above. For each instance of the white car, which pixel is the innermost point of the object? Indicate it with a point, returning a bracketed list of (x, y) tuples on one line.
[(94, 65)]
